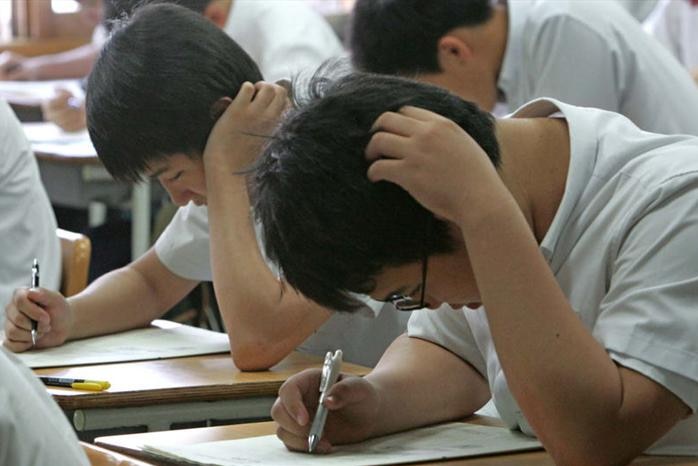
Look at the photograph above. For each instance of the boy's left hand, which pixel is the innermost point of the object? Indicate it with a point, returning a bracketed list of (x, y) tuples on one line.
[(243, 127), (436, 161)]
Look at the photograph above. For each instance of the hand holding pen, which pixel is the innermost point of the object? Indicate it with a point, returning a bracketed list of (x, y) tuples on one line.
[(330, 373)]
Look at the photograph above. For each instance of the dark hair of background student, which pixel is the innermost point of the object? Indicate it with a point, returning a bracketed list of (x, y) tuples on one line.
[(115, 9), (329, 228), (150, 93), (401, 36)]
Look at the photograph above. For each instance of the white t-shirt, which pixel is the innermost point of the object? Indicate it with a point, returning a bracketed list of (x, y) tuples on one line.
[(33, 429), (363, 337), (27, 223), (282, 37), (675, 24), (593, 53), (622, 247), (640, 9)]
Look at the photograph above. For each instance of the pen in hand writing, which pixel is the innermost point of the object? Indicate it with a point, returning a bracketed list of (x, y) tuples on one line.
[(78, 384), (330, 373), (35, 285)]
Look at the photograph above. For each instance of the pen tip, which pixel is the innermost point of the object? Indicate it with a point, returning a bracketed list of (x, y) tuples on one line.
[(312, 442)]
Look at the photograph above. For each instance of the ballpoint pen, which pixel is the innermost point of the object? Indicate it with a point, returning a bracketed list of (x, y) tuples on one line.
[(330, 373), (35, 285)]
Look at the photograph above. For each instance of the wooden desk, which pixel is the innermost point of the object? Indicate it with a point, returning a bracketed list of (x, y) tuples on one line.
[(103, 457), (133, 445), (156, 394)]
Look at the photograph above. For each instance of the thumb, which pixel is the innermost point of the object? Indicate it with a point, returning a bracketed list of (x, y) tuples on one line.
[(348, 391)]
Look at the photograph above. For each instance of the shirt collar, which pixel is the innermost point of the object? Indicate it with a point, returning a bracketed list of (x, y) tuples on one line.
[(583, 155)]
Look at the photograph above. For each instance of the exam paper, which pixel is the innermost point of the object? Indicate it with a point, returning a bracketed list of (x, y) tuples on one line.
[(32, 93), (453, 440), (162, 340), (48, 138)]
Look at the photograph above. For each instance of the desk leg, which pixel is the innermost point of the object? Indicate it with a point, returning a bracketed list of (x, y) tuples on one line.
[(140, 223)]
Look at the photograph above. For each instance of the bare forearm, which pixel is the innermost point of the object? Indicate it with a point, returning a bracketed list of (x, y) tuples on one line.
[(421, 383), (75, 63), (568, 387), (127, 298), (263, 323)]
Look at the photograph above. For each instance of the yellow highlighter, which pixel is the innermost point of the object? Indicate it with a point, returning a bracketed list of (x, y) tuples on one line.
[(77, 384)]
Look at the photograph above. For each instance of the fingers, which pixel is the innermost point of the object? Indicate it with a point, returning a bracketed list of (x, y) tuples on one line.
[(18, 314), (271, 98), (385, 144), (396, 123), (291, 403), (290, 411)]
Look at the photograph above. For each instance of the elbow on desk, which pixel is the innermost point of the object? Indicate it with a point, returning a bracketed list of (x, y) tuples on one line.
[(591, 449), (256, 355)]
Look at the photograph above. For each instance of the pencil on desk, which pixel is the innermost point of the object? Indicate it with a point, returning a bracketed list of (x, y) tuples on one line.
[(78, 384)]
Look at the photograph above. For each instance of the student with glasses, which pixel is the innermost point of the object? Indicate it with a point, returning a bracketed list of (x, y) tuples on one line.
[(564, 239)]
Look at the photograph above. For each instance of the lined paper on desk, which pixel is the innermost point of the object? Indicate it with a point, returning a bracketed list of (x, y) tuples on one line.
[(162, 340), (453, 440)]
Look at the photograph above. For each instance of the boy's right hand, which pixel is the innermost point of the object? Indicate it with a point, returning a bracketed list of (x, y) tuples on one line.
[(66, 111), (352, 404), (51, 311)]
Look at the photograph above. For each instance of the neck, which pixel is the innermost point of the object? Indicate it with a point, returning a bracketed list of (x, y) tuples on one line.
[(535, 159)]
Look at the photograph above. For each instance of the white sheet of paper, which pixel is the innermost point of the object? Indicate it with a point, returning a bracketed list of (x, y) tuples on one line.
[(34, 92), (453, 440), (48, 138), (163, 340)]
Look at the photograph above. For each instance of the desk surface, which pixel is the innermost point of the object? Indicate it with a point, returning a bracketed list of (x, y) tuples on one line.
[(197, 378), (103, 457), (133, 445)]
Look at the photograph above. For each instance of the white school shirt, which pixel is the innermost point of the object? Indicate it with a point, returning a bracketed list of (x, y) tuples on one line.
[(622, 246), (33, 429), (640, 9), (27, 222), (593, 53), (283, 37), (184, 248), (675, 24)]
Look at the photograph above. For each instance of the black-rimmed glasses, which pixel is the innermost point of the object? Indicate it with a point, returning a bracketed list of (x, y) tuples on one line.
[(407, 303)]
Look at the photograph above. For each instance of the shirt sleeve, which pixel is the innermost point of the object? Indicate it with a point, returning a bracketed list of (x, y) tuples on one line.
[(648, 320), (183, 247), (449, 329)]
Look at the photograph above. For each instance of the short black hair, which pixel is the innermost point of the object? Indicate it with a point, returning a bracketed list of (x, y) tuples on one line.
[(328, 227), (115, 9), (401, 36), (150, 93)]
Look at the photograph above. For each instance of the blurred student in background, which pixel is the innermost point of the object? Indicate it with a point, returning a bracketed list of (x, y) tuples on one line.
[(593, 54)]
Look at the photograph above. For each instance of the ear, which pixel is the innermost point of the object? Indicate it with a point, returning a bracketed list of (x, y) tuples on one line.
[(453, 51), (219, 107), (217, 13)]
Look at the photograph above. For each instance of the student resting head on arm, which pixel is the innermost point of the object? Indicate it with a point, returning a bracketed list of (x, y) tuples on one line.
[(174, 98), (563, 238)]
